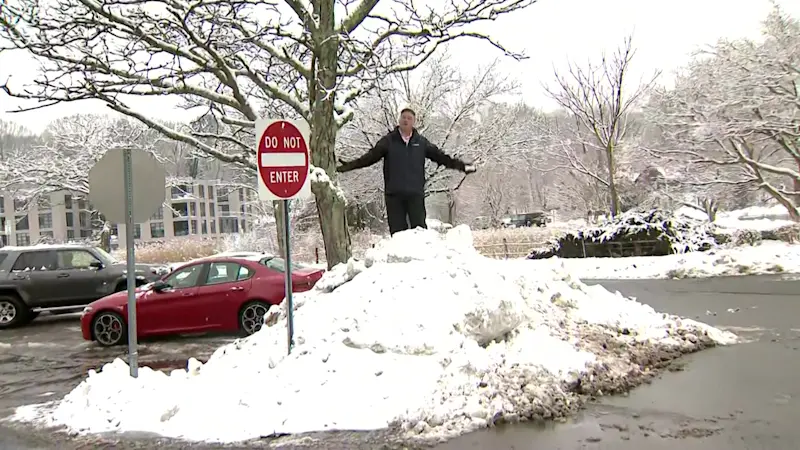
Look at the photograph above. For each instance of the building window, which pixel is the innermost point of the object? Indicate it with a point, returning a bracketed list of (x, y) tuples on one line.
[(158, 215), (2, 205), (180, 210), (22, 223), (85, 219), (212, 210), (224, 210), (157, 229), (48, 234), (69, 219), (82, 205), (204, 227), (241, 194), (137, 231), (70, 235), (241, 209), (201, 191), (46, 220), (211, 192), (202, 210), (19, 205), (2, 224), (43, 202), (23, 239), (244, 225), (4, 239), (194, 227), (229, 225), (67, 201), (213, 227), (86, 233), (193, 209), (180, 227)]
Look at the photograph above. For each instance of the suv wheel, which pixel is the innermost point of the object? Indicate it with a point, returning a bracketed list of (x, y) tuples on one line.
[(12, 312)]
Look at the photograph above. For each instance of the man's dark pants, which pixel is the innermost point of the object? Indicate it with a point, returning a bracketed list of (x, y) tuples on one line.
[(405, 211)]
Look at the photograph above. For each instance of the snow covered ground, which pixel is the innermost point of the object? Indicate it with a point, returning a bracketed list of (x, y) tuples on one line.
[(752, 218), (425, 336), (768, 257)]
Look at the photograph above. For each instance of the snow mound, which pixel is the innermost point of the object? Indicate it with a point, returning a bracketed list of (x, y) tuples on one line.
[(425, 336)]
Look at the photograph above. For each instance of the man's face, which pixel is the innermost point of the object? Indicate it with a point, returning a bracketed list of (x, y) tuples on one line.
[(407, 120)]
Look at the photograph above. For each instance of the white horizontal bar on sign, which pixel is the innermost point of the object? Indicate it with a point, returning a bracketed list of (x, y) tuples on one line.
[(283, 159)]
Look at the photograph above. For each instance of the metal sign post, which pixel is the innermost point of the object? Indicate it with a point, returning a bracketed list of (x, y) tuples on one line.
[(288, 273), (133, 344), (128, 198), (283, 165)]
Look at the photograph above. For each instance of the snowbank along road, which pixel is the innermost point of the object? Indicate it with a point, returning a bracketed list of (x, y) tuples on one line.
[(693, 408), (425, 337)]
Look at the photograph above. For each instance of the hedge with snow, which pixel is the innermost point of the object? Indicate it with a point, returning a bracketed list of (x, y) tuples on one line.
[(665, 232)]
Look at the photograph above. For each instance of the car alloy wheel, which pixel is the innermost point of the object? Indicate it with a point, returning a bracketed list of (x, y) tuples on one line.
[(8, 312), (108, 329), (252, 317)]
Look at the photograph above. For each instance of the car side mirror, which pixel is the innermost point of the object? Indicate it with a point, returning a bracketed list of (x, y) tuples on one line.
[(160, 286), (96, 265)]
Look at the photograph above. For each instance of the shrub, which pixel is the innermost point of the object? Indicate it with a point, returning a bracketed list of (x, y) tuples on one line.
[(746, 237), (635, 233)]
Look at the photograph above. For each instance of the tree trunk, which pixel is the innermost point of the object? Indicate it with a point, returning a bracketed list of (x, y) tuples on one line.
[(612, 182), (105, 237), (330, 206)]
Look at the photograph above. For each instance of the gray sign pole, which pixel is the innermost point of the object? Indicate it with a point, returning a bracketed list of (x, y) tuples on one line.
[(133, 352), (287, 234)]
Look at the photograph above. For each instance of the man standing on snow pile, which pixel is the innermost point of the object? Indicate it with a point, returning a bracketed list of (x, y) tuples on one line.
[(404, 151)]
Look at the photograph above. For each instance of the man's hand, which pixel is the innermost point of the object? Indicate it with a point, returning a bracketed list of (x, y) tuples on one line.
[(469, 168)]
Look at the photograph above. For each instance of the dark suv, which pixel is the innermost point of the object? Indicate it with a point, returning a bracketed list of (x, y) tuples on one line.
[(60, 278), (538, 218)]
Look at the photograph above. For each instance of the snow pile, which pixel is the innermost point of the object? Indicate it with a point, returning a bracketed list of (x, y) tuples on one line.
[(425, 336), (766, 257)]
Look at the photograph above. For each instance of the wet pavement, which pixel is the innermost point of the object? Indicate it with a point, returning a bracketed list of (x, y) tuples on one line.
[(745, 396)]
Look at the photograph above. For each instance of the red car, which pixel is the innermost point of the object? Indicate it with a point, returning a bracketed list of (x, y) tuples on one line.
[(221, 294)]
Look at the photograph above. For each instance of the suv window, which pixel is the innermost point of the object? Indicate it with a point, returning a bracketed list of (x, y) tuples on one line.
[(35, 260), (75, 259), (3, 257), (226, 272), (184, 278)]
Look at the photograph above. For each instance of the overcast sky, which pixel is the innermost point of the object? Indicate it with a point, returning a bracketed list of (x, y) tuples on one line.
[(551, 32)]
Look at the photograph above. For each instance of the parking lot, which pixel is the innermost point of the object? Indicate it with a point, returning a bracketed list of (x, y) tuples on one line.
[(48, 358)]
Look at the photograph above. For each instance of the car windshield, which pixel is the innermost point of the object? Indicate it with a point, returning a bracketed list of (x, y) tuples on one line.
[(106, 256), (279, 264)]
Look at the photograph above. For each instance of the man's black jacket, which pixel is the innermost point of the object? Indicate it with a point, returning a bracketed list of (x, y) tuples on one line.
[(403, 164)]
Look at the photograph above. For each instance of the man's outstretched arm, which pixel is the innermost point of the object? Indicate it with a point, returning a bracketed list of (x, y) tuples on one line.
[(436, 155), (374, 155)]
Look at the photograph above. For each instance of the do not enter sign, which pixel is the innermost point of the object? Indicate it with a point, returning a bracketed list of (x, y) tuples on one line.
[(283, 160)]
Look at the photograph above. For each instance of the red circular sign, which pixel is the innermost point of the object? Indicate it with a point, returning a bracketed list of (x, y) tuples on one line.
[(283, 159)]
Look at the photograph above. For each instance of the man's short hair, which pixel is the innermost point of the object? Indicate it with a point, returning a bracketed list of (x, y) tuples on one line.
[(408, 110)]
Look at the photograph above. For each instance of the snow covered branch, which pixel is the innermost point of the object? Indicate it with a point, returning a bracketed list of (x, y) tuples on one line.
[(598, 98), (734, 114)]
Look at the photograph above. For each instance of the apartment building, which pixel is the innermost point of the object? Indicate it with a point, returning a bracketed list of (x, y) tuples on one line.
[(203, 208)]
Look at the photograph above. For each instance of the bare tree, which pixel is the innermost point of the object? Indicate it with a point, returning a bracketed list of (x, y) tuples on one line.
[(734, 116), (239, 60), (597, 99)]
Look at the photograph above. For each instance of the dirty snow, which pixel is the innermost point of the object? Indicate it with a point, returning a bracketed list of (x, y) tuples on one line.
[(767, 257), (424, 336)]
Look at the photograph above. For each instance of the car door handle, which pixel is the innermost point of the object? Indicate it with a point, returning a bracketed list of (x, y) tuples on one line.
[(19, 277), (62, 275), (188, 294), (237, 288)]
